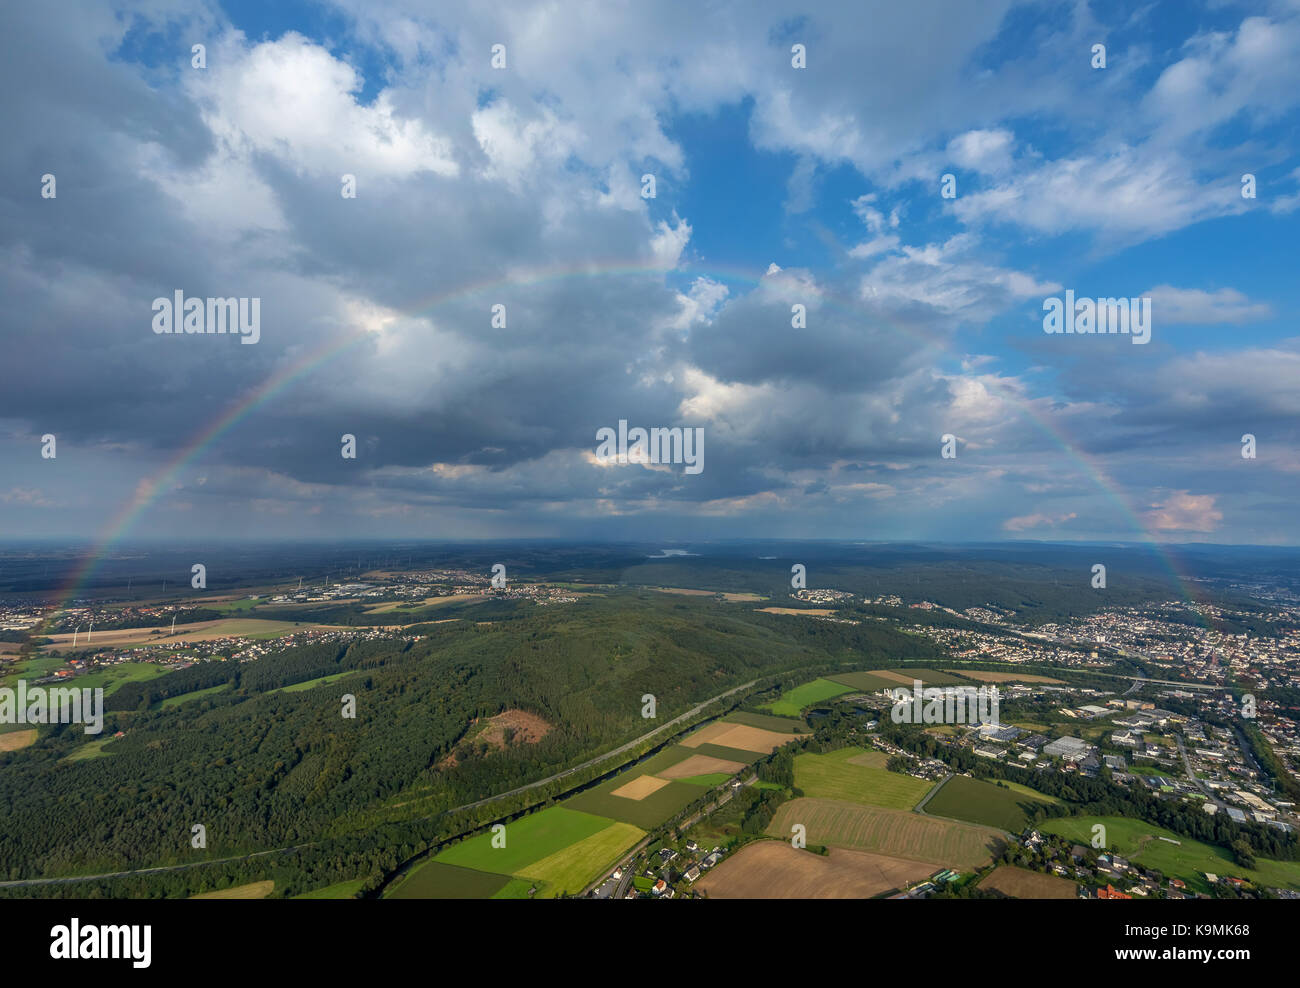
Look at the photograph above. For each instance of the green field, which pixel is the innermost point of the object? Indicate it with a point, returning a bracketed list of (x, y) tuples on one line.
[(713, 779), (784, 725), (833, 777), (528, 839), (1136, 840), (570, 870), (645, 813), (730, 754), (982, 802), (238, 606), (92, 749), (341, 890), (517, 888), (111, 677), (176, 701), (435, 880), (30, 669), (311, 683), (794, 702)]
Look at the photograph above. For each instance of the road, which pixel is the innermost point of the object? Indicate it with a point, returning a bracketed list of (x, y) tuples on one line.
[(1187, 764), (630, 856), (920, 807), (622, 749)]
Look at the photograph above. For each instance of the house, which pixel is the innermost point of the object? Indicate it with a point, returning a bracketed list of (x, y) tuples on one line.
[(692, 873), (1110, 892), (659, 887), (692, 846)]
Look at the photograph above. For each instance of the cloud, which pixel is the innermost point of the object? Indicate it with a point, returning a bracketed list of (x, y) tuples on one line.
[(1022, 523), (1173, 306), (1182, 511)]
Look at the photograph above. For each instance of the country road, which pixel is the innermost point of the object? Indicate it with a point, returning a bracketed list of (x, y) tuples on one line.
[(920, 807), (468, 806)]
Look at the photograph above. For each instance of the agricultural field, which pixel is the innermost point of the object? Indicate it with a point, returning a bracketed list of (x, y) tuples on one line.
[(809, 611), (15, 740), (892, 679), (568, 872), (1138, 841), (793, 702), (528, 839), (253, 890), (983, 802), (775, 870), (727, 734), (237, 627), (554, 852), (340, 890), (312, 683), (782, 725), (646, 812), (110, 678), (715, 779), (396, 605), (728, 754), (729, 597), (1021, 883), (239, 606), (697, 765), (435, 880), (176, 701), (857, 776), (962, 846), (981, 676), (91, 749)]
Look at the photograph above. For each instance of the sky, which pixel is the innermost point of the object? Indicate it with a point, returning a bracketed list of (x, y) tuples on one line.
[(918, 188)]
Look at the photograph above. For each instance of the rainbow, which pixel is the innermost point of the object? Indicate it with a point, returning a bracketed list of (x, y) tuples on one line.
[(149, 489)]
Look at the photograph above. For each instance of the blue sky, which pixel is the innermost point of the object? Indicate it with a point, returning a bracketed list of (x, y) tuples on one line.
[(775, 186)]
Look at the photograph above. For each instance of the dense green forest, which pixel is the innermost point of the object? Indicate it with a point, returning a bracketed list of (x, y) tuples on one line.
[(261, 769)]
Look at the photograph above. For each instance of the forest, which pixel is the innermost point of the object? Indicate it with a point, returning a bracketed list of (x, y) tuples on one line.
[(263, 768)]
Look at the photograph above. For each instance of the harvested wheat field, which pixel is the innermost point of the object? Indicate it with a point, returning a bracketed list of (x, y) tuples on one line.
[(774, 870), (701, 765), (728, 735), (886, 831), (14, 740), (640, 787), (253, 890), (1020, 883)]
